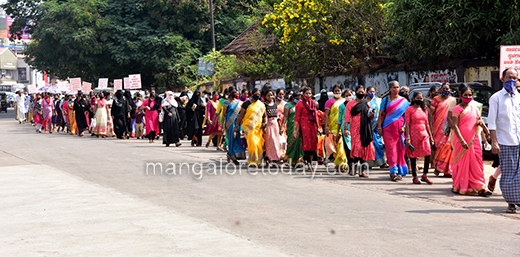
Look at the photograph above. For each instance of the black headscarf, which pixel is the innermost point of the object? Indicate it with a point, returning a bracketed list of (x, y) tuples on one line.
[(324, 97), (130, 102), (118, 100), (195, 99), (366, 128)]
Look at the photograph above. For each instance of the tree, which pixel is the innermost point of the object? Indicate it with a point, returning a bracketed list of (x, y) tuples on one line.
[(328, 35), (429, 31)]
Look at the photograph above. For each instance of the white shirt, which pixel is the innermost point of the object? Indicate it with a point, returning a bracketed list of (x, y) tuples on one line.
[(504, 117)]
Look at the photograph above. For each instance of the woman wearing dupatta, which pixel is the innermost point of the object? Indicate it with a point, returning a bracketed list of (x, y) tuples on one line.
[(214, 129), (306, 126), (331, 126), (100, 130), (439, 109), (232, 109), (468, 168), (357, 117), (252, 115), (151, 117), (379, 147), (294, 151), (391, 127), (280, 103)]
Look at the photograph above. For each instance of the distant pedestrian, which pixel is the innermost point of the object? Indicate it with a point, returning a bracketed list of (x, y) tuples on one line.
[(19, 105), (440, 126)]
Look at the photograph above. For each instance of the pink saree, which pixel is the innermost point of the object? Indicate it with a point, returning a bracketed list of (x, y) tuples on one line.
[(468, 168), (443, 155)]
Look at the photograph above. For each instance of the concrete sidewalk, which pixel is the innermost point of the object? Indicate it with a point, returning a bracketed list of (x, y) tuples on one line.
[(46, 212)]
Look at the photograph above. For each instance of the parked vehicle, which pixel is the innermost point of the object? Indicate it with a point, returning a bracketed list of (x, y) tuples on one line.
[(3, 102)]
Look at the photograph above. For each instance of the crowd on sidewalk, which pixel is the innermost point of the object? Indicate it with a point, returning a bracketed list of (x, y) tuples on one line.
[(353, 130)]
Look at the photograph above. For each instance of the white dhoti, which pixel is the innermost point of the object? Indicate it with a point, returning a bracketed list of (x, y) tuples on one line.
[(20, 113)]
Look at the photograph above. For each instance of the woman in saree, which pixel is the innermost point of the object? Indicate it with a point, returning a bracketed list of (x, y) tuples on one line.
[(72, 117), (358, 114), (294, 151), (468, 168), (272, 129), (101, 116), (439, 109), (232, 109), (306, 126), (391, 127), (110, 122), (47, 112), (331, 127), (379, 147), (251, 119), (214, 129), (38, 120), (171, 120), (280, 103)]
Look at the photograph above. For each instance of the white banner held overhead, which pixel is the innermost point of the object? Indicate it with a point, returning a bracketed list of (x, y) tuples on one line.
[(118, 84), (509, 58), (103, 83), (135, 81)]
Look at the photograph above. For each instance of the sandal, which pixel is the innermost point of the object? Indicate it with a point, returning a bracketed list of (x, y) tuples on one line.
[(484, 193), (491, 184), (436, 172), (393, 177), (363, 175), (415, 180), (511, 208), (425, 178)]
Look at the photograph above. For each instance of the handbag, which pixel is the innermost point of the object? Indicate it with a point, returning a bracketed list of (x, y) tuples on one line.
[(161, 116), (446, 129), (283, 143)]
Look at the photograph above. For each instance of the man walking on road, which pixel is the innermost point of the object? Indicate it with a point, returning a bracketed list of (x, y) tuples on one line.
[(504, 125), (19, 106)]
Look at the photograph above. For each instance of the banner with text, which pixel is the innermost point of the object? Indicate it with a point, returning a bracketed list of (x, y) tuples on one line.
[(509, 58), (135, 81), (86, 87)]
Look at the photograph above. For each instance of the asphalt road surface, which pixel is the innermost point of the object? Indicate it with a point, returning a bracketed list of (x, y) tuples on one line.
[(63, 195)]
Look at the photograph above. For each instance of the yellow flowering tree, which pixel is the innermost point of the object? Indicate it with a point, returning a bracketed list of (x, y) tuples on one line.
[(328, 35)]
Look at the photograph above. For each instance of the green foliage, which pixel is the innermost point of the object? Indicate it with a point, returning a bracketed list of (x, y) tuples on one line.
[(429, 31)]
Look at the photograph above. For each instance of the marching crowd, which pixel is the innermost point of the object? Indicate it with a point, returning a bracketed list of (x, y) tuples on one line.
[(353, 129)]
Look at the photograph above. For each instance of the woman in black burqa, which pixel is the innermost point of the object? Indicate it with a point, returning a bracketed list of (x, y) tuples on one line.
[(181, 109), (80, 107), (195, 116), (132, 110), (171, 120), (119, 114)]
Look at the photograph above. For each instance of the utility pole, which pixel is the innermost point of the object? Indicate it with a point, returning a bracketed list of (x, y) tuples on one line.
[(212, 25)]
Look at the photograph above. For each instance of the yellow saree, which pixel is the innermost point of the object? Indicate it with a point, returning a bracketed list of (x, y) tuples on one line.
[(340, 158), (252, 123)]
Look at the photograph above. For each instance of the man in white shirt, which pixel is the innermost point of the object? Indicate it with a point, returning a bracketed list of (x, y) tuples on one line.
[(19, 106), (504, 125)]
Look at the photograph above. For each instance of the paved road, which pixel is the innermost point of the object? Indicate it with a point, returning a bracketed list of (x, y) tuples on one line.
[(63, 195)]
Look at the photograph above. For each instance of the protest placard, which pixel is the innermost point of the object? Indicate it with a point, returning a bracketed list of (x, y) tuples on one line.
[(103, 83), (135, 81), (118, 84), (76, 84), (509, 58)]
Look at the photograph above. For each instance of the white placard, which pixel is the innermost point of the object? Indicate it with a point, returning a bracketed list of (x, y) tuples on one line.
[(135, 81), (118, 84), (103, 83), (509, 58), (76, 84)]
